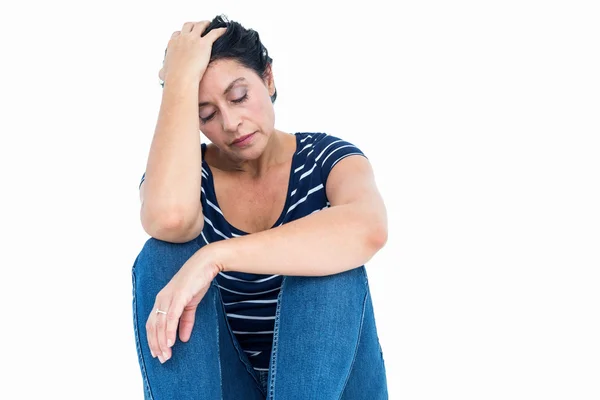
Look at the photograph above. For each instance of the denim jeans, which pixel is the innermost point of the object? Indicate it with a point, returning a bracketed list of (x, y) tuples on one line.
[(325, 343)]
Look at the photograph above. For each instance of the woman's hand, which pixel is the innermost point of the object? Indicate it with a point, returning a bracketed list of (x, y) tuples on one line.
[(177, 302), (188, 53)]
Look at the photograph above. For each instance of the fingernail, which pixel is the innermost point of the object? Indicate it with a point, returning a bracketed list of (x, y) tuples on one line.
[(161, 359), (165, 356), (169, 342), (153, 355)]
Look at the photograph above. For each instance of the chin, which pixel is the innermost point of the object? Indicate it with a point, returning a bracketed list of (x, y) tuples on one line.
[(250, 153)]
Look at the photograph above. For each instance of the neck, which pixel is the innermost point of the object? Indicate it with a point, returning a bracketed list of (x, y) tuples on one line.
[(274, 154)]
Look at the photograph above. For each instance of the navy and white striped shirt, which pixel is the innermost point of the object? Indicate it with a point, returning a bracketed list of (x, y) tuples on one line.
[(250, 300)]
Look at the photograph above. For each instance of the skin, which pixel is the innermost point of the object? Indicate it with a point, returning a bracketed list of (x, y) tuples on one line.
[(351, 230), (231, 120)]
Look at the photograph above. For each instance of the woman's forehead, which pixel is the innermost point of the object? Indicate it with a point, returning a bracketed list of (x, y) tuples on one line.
[(225, 68), (223, 75)]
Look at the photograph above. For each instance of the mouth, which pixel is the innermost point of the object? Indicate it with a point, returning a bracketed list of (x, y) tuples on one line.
[(243, 139)]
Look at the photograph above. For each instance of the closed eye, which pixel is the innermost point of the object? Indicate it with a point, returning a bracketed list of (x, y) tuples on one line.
[(236, 101), (241, 99)]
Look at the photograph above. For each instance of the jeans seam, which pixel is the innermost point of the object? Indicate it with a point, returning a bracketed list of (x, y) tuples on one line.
[(273, 363), (263, 379), (215, 299), (137, 338), (362, 320)]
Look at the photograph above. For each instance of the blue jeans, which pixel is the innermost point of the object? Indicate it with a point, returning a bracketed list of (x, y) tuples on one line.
[(325, 343)]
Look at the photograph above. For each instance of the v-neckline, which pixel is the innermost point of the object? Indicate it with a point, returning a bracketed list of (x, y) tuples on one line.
[(238, 231)]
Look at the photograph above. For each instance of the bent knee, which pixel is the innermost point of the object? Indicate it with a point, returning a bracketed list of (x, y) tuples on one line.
[(160, 260)]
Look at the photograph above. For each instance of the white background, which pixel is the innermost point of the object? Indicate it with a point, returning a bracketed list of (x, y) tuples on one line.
[(481, 120)]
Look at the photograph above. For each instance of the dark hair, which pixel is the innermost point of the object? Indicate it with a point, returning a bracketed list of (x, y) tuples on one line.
[(240, 44)]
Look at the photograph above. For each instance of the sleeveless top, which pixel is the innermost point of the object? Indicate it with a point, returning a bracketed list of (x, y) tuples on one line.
[(250, 300)]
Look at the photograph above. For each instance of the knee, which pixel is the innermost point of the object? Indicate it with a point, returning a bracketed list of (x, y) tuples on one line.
[(158, 260), (347, 282), (324, 296)]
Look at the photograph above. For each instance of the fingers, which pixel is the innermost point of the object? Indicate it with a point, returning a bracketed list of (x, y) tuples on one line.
[(155, 328), (199, 27), (215, 34), (161, 326), (151, 335), (173, 36), (187, 27), (172, 321), (186, 324), (175, 305)]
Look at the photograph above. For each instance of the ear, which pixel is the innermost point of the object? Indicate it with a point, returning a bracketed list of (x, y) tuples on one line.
[(270, 80)]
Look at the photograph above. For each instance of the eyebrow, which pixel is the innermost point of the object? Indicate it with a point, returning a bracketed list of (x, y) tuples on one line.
[(229, 87)]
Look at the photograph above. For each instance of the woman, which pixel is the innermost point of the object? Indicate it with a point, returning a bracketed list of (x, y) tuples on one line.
[(281, 309)]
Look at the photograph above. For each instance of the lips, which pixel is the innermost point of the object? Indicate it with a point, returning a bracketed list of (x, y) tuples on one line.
[(242, 138)]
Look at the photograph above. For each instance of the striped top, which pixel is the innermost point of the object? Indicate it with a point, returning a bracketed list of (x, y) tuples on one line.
[(250, 300)]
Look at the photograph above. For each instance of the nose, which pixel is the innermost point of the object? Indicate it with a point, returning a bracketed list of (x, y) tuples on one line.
[(231, 120)]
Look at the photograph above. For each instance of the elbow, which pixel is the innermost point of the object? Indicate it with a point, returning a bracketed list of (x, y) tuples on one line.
[(373, 216), (173, 227), (378, 237)]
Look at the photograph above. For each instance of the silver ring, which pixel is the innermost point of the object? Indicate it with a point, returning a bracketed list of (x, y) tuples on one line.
[(160, 311)]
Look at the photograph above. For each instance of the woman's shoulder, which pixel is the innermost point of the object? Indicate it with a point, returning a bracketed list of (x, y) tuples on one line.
[(324, 150), (321, 138), (322, 144)]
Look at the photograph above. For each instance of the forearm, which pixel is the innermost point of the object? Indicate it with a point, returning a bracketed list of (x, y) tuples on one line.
[(330, 241), (173, 171)]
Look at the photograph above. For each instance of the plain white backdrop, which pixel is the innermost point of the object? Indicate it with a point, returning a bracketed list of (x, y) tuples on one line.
[(481, 120)]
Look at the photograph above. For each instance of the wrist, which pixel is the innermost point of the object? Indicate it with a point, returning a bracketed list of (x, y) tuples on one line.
[(217, 253), (182, 81), (211, 256)]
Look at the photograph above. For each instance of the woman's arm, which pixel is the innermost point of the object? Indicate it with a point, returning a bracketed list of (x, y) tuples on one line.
[(169, 192), (330, 241)]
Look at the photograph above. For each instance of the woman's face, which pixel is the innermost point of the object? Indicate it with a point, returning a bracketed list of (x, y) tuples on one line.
[(234, 102)]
